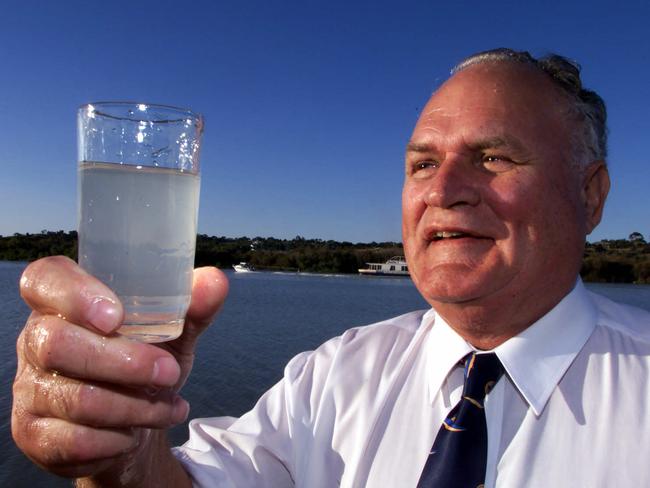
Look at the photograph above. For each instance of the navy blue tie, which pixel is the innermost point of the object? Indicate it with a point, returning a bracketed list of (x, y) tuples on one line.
[(458, 458)]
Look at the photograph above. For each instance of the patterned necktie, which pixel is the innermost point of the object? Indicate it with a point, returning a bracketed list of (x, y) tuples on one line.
[(458, 458)]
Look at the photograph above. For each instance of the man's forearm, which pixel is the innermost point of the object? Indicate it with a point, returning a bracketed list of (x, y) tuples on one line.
[(152, 465)]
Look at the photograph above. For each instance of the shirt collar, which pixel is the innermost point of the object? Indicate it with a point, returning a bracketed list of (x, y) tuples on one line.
[(445, 348), (537, 358)]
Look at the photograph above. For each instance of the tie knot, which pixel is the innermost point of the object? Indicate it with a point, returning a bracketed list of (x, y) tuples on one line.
[(482, 371)]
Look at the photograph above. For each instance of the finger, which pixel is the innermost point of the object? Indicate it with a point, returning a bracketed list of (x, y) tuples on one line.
[(57, 285), (52, 344), (209, 291), (99, 405), (67, 449)]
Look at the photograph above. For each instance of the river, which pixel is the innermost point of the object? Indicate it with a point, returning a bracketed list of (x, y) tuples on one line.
[(267, 319)]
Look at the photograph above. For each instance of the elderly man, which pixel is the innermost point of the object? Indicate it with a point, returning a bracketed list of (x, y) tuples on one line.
[(517, 376)]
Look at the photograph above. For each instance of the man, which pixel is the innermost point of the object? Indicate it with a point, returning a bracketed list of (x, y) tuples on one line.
[(505, 176)]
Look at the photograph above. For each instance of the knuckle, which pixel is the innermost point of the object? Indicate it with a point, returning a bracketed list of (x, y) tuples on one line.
[(86, 444), (75, 446), (40, 283), (33, 339), (75, 402), (20, 341), (29, 276), (20, 425), (22, 389), (21, 366), (66, 403), (32, 323), (66, 449), (34, 275), (56, 447), (45, 339), (30, 436), (84, 404)]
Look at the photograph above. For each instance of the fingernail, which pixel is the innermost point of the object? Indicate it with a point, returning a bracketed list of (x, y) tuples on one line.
[(180, 410), (104, 314), (166, 372)]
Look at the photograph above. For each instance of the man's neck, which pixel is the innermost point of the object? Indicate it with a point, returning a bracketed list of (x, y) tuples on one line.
[(486, 324)]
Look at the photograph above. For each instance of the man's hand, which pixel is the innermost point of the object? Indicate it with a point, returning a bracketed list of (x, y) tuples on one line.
[(85, 398)]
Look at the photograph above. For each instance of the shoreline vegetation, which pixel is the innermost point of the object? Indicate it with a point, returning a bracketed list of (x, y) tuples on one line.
[(607, 261)]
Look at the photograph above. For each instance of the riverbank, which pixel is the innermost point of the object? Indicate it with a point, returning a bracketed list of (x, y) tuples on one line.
[(607, 261)]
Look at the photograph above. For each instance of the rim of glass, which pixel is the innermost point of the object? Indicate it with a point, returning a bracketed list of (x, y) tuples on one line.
[(185, 112)]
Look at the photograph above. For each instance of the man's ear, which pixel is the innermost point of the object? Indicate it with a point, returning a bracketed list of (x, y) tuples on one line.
[(595, 187)]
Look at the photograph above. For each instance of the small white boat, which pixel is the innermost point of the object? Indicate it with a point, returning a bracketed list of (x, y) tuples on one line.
[(395, 266), (243, 268)]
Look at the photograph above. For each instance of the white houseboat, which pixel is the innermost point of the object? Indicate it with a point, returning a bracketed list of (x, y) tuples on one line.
[(395, 266), (243, 268)]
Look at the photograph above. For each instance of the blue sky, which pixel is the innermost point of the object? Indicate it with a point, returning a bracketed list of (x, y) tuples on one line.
[(308, 104)]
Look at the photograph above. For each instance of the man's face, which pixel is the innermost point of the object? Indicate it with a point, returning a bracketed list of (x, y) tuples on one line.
[(493, 208)]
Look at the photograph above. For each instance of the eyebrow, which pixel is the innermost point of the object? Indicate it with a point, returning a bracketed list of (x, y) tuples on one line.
[(497, 142), (480, 144), (419, 147)]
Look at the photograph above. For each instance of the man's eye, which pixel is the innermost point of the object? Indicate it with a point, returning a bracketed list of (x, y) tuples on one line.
[(425, 165), (496, 163)]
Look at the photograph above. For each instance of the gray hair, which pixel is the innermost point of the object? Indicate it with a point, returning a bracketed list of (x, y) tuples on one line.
[(586, 105)]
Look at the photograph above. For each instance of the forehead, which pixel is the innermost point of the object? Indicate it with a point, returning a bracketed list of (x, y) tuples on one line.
[(495, 99)]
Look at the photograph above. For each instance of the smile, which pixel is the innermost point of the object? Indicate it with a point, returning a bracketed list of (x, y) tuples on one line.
[(448, 235)]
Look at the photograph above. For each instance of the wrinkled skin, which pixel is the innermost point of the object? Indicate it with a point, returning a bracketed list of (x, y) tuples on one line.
[(490, 166), (89, 403)]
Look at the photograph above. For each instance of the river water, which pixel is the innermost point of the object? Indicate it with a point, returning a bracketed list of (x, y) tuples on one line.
[(268, 318)]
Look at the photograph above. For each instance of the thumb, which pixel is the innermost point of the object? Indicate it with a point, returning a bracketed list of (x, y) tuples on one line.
[(209, 291)]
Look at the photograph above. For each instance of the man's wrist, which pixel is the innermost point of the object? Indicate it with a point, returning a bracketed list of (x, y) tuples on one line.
[(152, 464)]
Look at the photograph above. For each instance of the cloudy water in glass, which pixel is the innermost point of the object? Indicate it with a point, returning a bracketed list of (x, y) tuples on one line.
[(137, 234)]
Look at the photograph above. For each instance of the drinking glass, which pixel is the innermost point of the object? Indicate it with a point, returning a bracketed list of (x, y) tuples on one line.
[(138, 188)]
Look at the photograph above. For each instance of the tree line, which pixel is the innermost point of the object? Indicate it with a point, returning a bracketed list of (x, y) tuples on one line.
[(611, 261), (617, 261)]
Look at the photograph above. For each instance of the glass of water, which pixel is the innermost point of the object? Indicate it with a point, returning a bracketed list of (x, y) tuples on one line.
[(138, 187)]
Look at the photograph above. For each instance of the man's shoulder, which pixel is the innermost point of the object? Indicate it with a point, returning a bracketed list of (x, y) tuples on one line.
[(365, 344), (405, 325), (626, 320)]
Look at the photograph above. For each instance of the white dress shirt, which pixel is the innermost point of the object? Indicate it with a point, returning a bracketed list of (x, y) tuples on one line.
[(572, 410)]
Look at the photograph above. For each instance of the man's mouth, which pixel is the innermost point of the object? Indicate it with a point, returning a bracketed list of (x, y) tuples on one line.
[(449, 235)]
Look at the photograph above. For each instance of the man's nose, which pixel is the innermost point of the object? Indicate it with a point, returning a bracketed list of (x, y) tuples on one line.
[(454, 183)]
